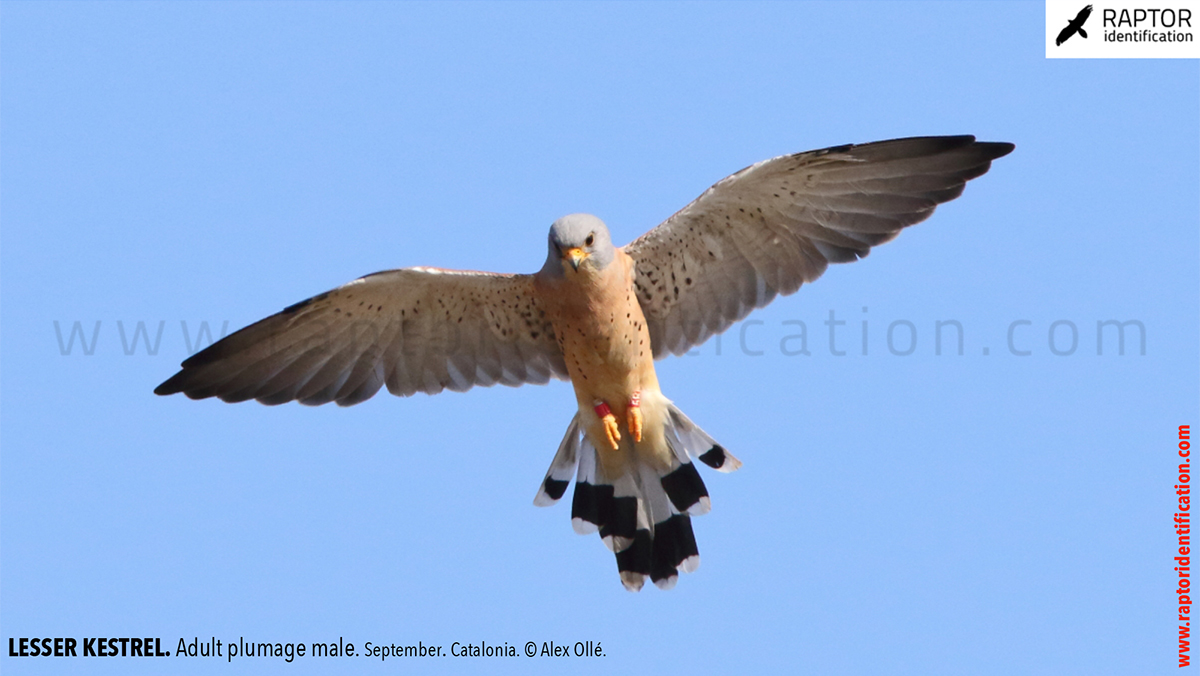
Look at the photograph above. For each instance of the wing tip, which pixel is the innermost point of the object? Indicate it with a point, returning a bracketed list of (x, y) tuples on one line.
[(996, 149), (173, 385), (930, 145)]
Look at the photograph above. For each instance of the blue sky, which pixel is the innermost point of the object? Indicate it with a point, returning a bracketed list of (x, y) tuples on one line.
[(982, 513)]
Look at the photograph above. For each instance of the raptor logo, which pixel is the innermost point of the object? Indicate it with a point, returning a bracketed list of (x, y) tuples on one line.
[(1075, 26)]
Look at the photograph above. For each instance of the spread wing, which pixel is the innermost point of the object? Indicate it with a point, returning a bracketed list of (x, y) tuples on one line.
[(771, 227), (416, 329)]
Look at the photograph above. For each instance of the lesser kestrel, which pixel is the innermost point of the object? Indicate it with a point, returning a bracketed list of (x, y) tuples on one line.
[(599, 315)]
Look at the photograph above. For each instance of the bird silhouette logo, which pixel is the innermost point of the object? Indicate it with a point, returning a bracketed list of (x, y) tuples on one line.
[(1075, 26)]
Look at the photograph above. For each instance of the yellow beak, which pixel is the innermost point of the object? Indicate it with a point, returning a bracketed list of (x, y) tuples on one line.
[(575, 256)]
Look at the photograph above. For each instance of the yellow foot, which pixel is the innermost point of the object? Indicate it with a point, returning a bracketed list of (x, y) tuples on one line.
[(612, 430), (635, 424)]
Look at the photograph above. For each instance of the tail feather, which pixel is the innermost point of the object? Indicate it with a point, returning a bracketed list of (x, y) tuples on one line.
[(620, 517), (686, 436), (686, 490), (558, 477), (644, 515)]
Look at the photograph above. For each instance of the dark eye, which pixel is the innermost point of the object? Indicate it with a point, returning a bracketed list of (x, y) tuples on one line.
[(589, 240)]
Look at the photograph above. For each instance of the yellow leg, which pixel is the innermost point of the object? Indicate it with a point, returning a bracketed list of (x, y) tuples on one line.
[(612, 430), (634, 415), (635, 423)]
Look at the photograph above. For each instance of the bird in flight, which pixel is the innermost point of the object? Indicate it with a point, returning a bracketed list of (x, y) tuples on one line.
[(1074, 26), (599, 315)]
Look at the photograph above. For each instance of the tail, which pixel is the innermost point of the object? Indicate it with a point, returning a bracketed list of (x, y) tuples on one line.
[(643, 515)]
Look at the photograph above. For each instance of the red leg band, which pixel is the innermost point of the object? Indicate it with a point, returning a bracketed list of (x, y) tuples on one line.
[(635, 399), (603, 410)]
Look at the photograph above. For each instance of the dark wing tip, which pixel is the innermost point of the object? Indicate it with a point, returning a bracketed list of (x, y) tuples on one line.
[(226, 347), (172, 385), (184, 382), (920, 146), (929, 145), (995, 149)]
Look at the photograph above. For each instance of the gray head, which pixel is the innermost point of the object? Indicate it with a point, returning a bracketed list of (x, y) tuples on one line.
[(578, 242)]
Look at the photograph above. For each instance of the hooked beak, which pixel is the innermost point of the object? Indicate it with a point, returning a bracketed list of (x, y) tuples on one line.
[(574, 256)]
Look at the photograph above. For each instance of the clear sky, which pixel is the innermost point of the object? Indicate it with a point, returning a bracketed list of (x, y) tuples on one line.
[(899, 511)]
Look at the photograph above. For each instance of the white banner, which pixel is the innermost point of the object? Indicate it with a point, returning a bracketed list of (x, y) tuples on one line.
[(1123, 29)]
